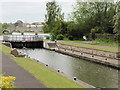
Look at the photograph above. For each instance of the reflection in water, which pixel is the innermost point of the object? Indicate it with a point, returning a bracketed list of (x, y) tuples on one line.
[(89, 72)]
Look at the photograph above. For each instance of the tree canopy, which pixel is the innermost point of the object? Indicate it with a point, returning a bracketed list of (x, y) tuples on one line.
[(53, 18), (86, 18)]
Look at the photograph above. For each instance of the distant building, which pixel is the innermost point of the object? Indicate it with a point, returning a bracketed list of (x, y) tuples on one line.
[(18, 23), (34, 27)]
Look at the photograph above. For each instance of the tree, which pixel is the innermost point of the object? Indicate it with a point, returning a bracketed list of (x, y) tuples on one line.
[(82, 17), (116, 19), (5, 25), (93, 15), (53, 18)]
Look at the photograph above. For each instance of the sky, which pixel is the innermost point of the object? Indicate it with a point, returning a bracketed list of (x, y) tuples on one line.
[(29, 11)]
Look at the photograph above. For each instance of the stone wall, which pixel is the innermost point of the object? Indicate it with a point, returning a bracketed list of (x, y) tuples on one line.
[(102, 53), (50, 45)]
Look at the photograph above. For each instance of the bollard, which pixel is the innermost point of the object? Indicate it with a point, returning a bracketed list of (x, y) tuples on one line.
[(46, 65), (36, 33), (106, 59), (22, 33), (75, 78), (92, 56), (37, 60), (58, 70)]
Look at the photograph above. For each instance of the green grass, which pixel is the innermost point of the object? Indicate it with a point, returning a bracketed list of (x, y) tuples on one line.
[(48, 77), (87, 46), (109, 43), (5, 49), (103, 42)]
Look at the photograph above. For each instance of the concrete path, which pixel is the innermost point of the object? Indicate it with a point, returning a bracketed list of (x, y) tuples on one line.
[(23, 78)]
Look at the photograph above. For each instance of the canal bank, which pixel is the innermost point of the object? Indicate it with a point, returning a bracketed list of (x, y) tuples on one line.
[(47, 75), (89, 72), (103, 57), (94, 74)]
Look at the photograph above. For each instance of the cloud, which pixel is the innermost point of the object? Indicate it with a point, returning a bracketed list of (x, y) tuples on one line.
[(22, 8), (29, 11), (36, 0)]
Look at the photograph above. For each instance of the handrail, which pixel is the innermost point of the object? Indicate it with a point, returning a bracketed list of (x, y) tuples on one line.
[(22, 37)]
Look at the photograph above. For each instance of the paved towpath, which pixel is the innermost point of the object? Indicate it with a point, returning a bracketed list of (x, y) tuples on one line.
[(91, 45), (23, 78)]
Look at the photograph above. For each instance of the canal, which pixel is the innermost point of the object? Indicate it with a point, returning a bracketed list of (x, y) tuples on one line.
[(89, 72)]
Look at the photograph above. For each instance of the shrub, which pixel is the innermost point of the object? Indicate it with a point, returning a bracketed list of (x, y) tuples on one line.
[(60, 37), (7, 82)]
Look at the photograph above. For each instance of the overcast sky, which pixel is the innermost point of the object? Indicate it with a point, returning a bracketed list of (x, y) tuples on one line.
[(29, 10), (32, 10)]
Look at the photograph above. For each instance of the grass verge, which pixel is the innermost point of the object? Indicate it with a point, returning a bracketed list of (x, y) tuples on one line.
[(97, 42), (5, 49), (48, 77), (87, 46)]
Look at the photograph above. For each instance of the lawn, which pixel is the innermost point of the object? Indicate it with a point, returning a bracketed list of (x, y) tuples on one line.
[(49, 78), (97, 42), (87, 46), (5, 49)]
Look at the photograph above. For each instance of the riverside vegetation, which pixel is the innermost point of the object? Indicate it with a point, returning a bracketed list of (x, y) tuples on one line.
[(86, 19)]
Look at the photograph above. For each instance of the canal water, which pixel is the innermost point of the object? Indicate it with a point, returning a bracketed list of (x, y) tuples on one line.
[(89, 72)]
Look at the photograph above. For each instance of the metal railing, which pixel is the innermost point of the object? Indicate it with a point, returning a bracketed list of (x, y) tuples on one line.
[(22, 37)]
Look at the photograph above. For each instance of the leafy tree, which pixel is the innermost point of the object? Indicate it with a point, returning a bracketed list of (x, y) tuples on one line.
[(5, 25), (93, 15), (53, 18), (59, 37), (116, 19)]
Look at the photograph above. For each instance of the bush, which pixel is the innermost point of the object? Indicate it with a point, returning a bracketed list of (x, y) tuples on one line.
[(117, 37), (7, 82), (60, 37)]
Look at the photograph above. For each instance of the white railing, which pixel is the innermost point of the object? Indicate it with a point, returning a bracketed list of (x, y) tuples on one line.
[(22, 37)]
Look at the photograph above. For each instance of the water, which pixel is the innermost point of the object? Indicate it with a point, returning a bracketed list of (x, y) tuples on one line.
[(89, 72)]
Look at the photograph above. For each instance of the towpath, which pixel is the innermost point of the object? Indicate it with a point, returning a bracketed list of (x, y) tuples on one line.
[(23, 78), (91, 45)]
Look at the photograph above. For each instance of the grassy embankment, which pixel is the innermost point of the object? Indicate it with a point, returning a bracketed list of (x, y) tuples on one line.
[(101, 42), (88, 46), (48, 77)]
